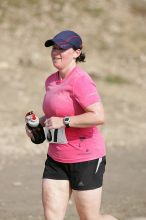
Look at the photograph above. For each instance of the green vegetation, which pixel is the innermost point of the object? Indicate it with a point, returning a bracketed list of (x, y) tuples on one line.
[(111, 78), (18, 3), (94, 12), (115, 79)]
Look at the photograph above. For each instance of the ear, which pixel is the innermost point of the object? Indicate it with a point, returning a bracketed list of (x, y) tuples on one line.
[(77, 53)]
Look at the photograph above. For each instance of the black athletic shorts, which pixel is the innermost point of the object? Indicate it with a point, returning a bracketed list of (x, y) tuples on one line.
[(82, 176)]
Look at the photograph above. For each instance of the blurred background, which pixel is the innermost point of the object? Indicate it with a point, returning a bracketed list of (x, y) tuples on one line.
[(114, 36)]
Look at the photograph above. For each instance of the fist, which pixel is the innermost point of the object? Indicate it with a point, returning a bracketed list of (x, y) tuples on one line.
[(29, 133), (54, 123)]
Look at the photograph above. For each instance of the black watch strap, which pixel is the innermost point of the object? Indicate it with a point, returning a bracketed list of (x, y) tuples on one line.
[(66, 121)]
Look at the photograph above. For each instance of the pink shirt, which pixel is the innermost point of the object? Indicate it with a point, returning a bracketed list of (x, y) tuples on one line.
[(67, 98)]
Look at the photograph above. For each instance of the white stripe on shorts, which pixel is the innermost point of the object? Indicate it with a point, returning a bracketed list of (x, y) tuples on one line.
[(98, 164)]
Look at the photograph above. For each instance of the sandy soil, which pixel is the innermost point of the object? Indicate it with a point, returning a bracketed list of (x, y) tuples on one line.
[(123, 195), (116, 59)]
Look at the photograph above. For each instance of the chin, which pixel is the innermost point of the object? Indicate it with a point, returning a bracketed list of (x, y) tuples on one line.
[(57, 66)]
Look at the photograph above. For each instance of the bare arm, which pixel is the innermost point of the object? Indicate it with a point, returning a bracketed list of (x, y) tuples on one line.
[(94, 115)]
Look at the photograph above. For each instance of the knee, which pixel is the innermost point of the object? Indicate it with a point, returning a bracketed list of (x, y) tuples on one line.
[(49, 209), (51, 214), (52, 209), (48, 212)]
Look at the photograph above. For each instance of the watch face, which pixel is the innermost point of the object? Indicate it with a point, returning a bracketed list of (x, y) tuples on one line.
[(66, 121)]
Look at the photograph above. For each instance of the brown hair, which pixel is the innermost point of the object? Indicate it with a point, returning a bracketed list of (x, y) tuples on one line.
[(81, 58)]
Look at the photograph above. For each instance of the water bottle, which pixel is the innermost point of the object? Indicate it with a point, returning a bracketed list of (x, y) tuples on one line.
[(32, 122)]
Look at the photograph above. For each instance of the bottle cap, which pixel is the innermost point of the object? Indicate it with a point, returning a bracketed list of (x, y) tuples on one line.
[(32, 119)]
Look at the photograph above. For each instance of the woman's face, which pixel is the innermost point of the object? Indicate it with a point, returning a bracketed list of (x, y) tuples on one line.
[(63, 59)]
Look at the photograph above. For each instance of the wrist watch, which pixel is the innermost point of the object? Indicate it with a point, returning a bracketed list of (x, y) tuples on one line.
[(66, 121)]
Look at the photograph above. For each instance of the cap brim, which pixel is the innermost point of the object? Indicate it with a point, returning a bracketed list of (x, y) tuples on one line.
[(62, 44), (49, 43)]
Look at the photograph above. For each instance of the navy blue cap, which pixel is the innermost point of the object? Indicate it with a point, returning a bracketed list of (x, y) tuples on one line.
[(65, 40)]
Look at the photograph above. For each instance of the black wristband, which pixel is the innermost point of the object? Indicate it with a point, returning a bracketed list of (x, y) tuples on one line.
[(66, 121)]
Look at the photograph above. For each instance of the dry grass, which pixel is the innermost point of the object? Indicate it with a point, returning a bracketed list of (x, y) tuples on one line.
[(138, 7), (116, 58)]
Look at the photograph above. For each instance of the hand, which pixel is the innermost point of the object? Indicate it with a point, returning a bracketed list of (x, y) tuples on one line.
[(29, 133), (54, 123)]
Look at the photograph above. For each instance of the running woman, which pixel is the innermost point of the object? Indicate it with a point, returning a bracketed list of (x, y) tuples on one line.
[(73, 113)]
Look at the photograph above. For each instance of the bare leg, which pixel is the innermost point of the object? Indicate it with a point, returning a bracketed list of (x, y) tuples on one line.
[(55, 197), (88, 205)]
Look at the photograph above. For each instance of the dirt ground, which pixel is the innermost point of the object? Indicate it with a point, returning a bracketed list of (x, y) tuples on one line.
[(114, 36), (124, 193)]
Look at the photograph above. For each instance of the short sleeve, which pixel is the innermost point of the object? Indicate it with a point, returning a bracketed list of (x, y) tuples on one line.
[(52, 78), (85, 91)]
